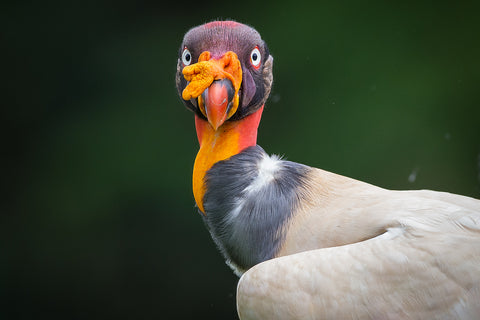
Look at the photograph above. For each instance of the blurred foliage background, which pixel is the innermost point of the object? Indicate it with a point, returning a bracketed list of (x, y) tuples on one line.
[(98, 217)]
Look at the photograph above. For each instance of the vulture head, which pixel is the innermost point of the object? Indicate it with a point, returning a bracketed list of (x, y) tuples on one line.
[(224, 71)]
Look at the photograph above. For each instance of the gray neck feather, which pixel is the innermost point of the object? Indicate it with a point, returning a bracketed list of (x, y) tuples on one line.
[(249, 200)]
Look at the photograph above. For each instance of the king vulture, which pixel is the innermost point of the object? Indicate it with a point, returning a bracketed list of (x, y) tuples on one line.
[(307, 243)]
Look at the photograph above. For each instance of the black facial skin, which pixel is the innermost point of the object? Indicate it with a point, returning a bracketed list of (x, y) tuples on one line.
[(241, 39)]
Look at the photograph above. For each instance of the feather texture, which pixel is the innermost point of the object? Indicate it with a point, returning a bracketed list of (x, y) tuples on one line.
[(356, 251)]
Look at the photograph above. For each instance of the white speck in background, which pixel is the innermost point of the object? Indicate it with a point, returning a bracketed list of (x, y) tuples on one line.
[(413, 176), (275, 98)]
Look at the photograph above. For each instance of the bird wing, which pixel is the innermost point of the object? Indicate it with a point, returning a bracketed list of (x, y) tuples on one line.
[(422, 261), (397, 275)]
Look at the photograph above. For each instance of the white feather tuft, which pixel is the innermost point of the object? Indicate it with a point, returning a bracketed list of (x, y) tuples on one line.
[(267, 168)]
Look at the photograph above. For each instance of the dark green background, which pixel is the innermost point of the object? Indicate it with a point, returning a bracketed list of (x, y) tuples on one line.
[(98, 219)]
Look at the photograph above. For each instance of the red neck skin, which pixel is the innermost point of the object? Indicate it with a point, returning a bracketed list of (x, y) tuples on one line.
[(246, 127), (215, 145)]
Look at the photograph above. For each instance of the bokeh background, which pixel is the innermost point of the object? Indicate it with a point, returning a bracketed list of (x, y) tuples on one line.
[(98, 217)]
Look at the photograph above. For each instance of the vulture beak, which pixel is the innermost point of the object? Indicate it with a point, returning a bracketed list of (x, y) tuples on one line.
[(216, 102), (215, 83)]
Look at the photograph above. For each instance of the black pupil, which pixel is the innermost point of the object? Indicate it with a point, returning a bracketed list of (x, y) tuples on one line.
[(187, 57), (254, 56)]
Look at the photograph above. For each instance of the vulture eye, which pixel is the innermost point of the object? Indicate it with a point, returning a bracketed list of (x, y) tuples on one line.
[(186, 57), (255, 57)]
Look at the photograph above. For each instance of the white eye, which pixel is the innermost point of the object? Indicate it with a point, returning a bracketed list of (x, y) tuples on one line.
[(186, 57), (255, 57)]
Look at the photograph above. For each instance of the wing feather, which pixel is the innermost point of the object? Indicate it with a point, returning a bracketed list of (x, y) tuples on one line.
[(398, 275)]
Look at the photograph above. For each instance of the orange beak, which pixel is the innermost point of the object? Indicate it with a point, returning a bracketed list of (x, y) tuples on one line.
[(216, 84), (216, 101)]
